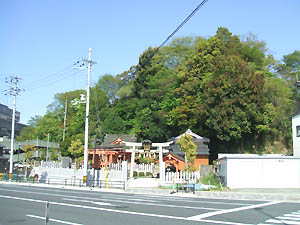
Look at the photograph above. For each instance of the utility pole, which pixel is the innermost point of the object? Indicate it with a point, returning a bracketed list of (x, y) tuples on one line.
[(65, 119), (86, 134), (12, 91)]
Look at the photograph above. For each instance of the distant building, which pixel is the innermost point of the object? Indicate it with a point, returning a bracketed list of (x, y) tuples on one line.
[(6, 121), (176, 157), (113, 150)]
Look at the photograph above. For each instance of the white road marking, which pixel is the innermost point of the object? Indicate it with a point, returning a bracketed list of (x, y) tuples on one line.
[(283, 222), (79, 200), (53, 220), (113, 200), (169, 198), (285, 217), (205, 215), (120, 211)]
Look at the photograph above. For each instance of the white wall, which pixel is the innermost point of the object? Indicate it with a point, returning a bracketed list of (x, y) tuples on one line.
[(261, 172), (296, 140)]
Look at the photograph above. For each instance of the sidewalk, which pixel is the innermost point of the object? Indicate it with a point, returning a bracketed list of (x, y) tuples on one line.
[(261, 194), (288, 195)]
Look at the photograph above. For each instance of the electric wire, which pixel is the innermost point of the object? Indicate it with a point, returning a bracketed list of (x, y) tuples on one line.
[(54, 79), (182, 23), (173, 33), (50, 76)]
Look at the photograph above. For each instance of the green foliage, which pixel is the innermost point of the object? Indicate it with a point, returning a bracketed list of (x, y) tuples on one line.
[(141, 174), (110, 85), (149, 174), (27, 133), (135, 173), (222, 87), (212, 179), (76, 149), (29, 150), (189, 147), (145, 160)]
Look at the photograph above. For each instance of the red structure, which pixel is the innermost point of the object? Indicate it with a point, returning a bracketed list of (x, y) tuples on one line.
[(112, 150)]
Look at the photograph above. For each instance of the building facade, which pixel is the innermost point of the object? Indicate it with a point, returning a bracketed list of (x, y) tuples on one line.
[(6, 121)]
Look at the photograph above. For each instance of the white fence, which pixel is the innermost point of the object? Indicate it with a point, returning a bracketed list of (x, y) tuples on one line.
[(51, 164), (136, 167), (144, 167), (46, 173), (181, 177)]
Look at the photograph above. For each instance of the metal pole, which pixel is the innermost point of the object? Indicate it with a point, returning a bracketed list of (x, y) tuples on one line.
[(46, 213), (86, 137), (12, 140)]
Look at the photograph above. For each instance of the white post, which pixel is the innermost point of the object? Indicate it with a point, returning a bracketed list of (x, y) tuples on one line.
[(132, 162), (47, 155), (86, 136), (161, 166), (12, 140)]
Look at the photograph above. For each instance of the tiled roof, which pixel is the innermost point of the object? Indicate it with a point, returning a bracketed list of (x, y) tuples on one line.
[(110, 138)]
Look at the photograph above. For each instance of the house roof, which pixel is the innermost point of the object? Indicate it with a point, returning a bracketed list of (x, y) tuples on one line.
[(117, 140), (174, 156), (196, 137), (202, 149), (201, 142)]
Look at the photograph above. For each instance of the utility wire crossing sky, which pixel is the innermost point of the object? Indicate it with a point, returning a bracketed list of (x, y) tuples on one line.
[(41, 40)]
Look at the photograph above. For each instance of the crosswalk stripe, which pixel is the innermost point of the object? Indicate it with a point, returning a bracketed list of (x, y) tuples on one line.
[(283, 222), (285, 217)]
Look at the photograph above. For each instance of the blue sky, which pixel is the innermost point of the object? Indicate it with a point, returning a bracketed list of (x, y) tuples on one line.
[(42, 39)]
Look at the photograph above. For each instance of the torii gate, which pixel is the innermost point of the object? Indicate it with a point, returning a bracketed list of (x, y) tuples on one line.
[(133, 147)]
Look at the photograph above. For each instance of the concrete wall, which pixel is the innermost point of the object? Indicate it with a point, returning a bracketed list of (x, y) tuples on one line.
[(260, 172), (296, 140)]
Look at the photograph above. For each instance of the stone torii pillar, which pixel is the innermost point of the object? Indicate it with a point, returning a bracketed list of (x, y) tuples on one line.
[(161, 164), (133, 147)]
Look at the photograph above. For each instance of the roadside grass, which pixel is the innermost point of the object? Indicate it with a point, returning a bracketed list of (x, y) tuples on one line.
[(214, 181)]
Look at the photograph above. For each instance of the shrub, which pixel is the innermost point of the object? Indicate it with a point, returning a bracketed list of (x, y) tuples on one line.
[(149, 174), (141, 174), (212, 179), (135, 174)]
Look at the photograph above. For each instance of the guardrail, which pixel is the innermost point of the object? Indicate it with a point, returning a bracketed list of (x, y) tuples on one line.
[(66, 181)]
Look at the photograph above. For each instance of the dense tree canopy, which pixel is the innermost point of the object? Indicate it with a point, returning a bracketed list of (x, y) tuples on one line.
[(223, 87)]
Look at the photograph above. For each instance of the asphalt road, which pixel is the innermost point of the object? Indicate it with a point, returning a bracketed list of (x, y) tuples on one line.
[(26, 205)]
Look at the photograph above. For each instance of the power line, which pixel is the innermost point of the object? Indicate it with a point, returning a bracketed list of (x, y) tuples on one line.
[(54, 79), (48, 78), (182, 23), (175, 31)]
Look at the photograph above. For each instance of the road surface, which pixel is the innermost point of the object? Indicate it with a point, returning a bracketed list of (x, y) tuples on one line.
[(26, 205)]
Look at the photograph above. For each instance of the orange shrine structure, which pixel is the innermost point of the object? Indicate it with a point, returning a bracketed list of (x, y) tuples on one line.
[(117, 148)]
